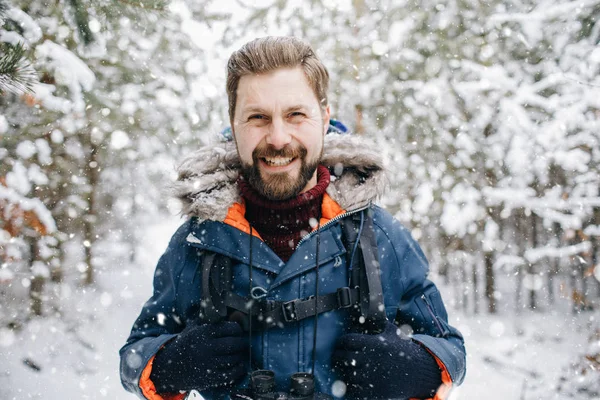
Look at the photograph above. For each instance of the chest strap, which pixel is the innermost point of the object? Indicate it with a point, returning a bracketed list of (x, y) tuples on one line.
[(275, 313)]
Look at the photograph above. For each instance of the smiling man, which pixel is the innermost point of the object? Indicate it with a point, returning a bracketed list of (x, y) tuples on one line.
[(284, 262)]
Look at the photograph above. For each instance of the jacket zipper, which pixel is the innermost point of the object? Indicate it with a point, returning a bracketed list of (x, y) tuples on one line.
[(430, 309), (331, 221)]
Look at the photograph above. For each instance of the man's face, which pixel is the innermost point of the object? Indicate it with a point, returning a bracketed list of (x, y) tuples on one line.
[(279, 128)]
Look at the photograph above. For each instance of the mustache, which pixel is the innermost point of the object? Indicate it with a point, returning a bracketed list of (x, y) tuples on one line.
[(285, 152)]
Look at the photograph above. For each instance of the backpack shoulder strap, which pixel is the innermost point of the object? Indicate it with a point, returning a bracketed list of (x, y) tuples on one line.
[(216, 280), (358, 235)]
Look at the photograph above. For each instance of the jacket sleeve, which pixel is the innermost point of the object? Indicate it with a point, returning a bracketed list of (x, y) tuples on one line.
[(420, 307), (159, 321)]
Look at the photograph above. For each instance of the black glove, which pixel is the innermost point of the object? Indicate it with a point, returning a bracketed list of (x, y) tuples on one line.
[(385, 366), (201, 357)]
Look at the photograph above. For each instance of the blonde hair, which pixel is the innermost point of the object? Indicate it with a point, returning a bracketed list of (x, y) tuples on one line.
[(270, 53)]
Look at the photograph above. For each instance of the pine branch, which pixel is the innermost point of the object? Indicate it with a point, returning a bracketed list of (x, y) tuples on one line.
[(82, 20), (81, 11), (3, 8), (155, 5), (16, 74)]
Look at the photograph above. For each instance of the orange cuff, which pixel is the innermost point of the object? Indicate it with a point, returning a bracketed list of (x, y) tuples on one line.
[(149, 390)]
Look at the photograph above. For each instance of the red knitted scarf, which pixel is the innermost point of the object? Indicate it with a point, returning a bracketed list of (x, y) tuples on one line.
[(282, 224)]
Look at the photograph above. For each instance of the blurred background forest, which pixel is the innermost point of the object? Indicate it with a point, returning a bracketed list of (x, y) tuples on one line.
[(488, 112)]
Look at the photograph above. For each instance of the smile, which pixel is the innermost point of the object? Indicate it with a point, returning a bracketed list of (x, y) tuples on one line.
[(278, 161)]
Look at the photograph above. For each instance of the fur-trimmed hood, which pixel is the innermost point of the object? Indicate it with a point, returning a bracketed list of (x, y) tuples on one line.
[(207, 179)]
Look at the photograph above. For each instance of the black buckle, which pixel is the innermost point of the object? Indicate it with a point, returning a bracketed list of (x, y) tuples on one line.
[(344, 297), (289, 310)]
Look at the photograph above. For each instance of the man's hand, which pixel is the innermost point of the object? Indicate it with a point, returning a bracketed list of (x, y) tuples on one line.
[(385, 366), (201, 357)]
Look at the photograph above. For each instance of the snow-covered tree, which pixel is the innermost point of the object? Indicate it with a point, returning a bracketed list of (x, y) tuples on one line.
[(122, 91)]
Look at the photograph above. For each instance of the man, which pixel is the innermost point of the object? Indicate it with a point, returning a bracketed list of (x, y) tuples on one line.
[(271, 220)]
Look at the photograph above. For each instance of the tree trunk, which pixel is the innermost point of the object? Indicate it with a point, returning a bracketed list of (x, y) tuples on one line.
[(359, 11), (595, 242), (519, 287), (475, 279), (92, 173), (490, 282), (554, 267), (464, 288), (531, 270), (550, 280), (36, 288), (575, 293), (519, 238)]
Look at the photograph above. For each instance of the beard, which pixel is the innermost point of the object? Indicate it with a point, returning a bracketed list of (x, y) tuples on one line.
[(280, 186)]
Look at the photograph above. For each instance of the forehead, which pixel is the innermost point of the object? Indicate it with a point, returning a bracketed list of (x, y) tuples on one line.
[(281, 87)]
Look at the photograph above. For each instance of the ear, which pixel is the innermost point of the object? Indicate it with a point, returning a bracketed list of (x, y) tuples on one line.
[(326, 116)]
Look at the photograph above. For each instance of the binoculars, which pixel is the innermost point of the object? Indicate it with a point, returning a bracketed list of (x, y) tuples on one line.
[(262, 387)]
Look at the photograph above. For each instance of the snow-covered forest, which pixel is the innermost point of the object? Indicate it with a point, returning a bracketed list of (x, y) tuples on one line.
[(487, 112)]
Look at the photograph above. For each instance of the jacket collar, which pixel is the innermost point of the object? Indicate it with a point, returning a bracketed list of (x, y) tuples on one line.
[(207, 185), (236, 244)]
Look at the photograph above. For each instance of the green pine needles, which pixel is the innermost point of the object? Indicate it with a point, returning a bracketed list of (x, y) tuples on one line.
[(16, 74)]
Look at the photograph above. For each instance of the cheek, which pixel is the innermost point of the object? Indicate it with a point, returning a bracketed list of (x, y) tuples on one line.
[(313, 142), (246, 143)]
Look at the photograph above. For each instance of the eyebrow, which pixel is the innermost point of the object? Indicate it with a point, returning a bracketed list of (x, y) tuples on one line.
[(257, 109)]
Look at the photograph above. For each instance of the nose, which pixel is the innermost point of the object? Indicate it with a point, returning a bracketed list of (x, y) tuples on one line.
[(278, 137)]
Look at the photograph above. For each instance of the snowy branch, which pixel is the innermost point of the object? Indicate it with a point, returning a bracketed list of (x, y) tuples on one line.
[(545, 13), (534, 255)]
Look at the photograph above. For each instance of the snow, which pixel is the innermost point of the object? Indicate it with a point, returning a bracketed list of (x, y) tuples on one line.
[(592, 230), (57, 136), (534, 255), (31, 31), (26, 149), (6, 275), (17, 180), (78, 353), (44, 151), (3, 124), (461, 209), (36, 175), (119, 140), (68, 69), (520, 357), (13, 197), (43, 93), (11, 37), (38, 268)]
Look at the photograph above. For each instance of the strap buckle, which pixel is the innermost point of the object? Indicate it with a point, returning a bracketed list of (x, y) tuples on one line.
[(344, 297), (258, 292), (288, 309)]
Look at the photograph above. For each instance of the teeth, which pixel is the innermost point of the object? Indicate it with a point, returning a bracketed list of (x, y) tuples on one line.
[(278, 161)]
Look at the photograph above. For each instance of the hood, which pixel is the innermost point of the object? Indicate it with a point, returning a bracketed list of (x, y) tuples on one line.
[(207, 186)]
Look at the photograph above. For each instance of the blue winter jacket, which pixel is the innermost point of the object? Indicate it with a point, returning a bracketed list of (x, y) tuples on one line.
[(207, 189)]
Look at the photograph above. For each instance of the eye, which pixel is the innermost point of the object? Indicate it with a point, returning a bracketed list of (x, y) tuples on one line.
[(256, 116), (296, 114)]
